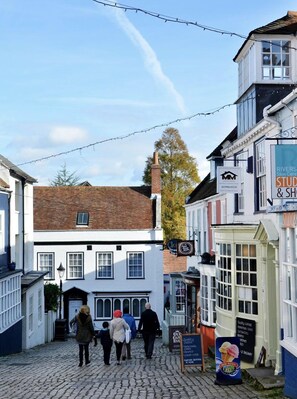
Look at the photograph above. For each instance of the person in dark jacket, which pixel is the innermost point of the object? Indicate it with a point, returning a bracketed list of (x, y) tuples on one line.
[(129, 319), (149, 326), (85, 333), (106, 342)]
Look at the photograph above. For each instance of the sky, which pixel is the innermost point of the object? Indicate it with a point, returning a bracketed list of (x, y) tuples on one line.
[(93, 87)]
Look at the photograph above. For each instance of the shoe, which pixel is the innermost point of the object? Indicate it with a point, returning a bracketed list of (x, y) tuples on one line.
[(148, 357), (80, 364), (88, 362), (124, 358), (107, 364), (118, 363)]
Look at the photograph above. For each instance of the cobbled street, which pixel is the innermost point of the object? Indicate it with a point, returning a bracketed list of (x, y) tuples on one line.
[(51, 371)]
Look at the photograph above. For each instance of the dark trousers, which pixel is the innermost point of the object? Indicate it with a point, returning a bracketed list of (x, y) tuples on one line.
[(126, 351), (106, 353), (119, 346), (149, 341), (84, 349)]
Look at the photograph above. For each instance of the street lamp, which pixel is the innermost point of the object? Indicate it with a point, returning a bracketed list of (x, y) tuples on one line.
[(61, 271)]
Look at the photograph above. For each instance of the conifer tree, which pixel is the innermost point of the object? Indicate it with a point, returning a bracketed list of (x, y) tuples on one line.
[(65, 178)]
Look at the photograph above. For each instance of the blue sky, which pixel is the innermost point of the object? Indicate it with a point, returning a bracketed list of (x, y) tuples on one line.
[(75, 72)]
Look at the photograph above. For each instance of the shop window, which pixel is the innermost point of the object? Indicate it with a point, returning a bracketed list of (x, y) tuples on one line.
[(224, 286)]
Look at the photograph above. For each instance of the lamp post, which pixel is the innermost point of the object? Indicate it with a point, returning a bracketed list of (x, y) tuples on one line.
[(61, 271)]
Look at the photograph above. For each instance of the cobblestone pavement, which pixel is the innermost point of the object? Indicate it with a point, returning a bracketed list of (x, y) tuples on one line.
[(51, 371)]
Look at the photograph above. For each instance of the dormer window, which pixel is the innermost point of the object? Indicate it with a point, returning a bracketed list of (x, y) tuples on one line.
[(276, 60), (82, 219)]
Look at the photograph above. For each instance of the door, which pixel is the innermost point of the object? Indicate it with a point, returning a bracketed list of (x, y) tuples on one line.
[(74, 306)]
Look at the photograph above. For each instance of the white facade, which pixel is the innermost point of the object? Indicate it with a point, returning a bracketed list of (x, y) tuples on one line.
[(16, 253), (118, 289)]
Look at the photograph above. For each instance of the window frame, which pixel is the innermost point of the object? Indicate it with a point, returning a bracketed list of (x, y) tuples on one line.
[(10, 290), (224, 277), (48, 268), (68, 266), (110, 266), (260, 175), (246, 279), (136, 305), (129, 266), (208, 300), (273, 50), (2, 232), (82, 218)]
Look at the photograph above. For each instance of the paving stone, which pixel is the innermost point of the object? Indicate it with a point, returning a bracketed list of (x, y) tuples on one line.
[(51, 371)]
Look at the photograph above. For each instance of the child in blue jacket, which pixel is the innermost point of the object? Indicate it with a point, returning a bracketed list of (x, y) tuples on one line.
[(106, 342)]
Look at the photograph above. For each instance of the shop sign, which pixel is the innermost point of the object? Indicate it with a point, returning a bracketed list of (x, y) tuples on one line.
[(284, 171), (228, 370), (228, 179), (186, 248), (191, 351), (246, 332)]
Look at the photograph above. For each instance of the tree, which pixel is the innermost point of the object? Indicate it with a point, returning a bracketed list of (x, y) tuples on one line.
[(51, 293), (179, 176), (65, 178)]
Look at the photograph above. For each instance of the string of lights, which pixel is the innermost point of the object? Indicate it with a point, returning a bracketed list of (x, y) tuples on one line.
[(142, 131), (125, 136), (176, 20)]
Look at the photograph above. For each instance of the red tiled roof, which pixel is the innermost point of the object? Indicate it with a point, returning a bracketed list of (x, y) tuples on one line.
[(109, 208)]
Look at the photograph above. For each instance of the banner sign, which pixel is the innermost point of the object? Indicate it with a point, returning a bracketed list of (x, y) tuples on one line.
[(228, 179), (284, 171), (228, 370), (246, 332)]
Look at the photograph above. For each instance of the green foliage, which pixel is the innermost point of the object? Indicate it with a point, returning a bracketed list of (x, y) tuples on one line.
[(65, 178), (179, 176), (51, 295)]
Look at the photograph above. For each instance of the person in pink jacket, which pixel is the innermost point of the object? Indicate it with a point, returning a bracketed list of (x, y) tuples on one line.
[(117, 332)]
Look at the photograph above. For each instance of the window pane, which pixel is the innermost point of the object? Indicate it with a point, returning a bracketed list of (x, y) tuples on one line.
[(135, 265)]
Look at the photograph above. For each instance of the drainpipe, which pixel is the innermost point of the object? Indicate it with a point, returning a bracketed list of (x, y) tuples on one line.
[(23, 223), (270, 119)]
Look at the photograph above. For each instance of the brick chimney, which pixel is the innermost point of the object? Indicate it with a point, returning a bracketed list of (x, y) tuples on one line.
[(156, 175)]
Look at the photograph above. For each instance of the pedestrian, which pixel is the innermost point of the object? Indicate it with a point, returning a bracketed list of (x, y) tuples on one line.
[(129, 319), (106, 342), (149, 326), (118, 326), (84, 333)]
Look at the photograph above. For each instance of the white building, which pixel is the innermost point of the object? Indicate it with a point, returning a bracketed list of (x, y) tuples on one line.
[(21, 289), (255, 243), (109, 239)]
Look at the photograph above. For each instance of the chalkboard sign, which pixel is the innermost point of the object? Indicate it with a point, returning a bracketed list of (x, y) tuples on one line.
[(191, 351), (246, 332)]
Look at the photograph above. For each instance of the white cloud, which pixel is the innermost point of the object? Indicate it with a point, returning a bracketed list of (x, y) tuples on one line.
[(67, 135), (150, 58)]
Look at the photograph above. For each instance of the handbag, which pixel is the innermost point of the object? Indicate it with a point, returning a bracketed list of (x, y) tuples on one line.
[(74, 326), (127, 336)]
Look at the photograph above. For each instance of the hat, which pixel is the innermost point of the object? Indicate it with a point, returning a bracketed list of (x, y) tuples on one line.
[(117, 313)]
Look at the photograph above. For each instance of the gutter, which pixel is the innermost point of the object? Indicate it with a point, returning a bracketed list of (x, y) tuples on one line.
[(270, 119)]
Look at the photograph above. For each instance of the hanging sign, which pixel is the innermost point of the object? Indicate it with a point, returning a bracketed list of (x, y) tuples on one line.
[(228, 370), (229, 179), (185, 248), (284, 171)]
